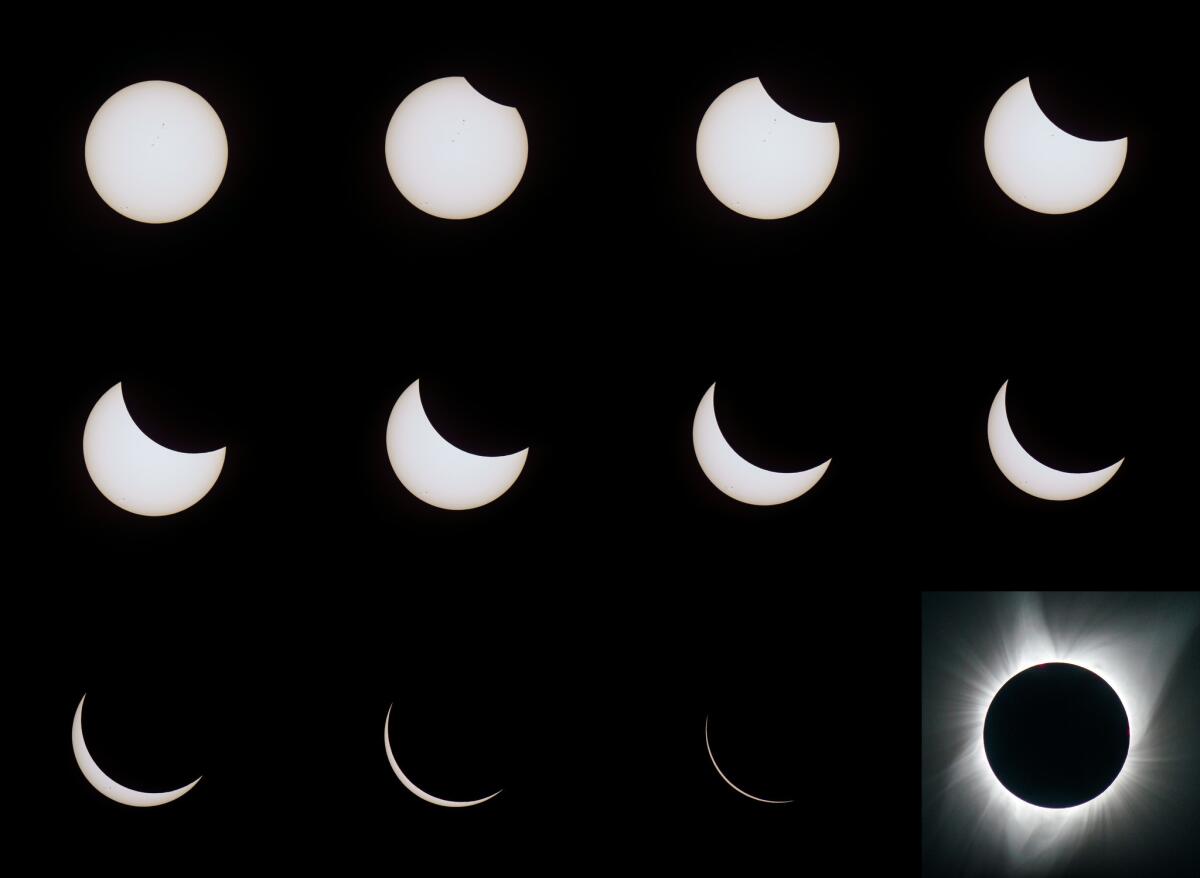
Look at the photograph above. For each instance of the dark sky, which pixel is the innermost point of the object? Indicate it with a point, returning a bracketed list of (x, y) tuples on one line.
[(567, 641)]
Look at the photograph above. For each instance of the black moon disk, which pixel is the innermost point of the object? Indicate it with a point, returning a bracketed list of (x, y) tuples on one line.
[(1056, 735)]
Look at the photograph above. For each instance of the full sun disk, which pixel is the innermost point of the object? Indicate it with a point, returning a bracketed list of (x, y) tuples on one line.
[(1056, 735)]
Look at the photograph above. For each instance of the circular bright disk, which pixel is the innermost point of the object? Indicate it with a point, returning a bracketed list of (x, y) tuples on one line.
[(156, 152), (1042, 167), (1056, 735), (134, 471), (708, 746), (105, 784), (452, 152), (412, 787), (758, 159), (1029, 474), (736, 476), (437, 472)]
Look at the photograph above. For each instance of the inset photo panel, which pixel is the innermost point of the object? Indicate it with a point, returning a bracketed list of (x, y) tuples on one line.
[(1059, 733)]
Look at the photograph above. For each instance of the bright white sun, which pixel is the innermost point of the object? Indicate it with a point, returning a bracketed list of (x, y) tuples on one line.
[(156, 152), (454, 153)]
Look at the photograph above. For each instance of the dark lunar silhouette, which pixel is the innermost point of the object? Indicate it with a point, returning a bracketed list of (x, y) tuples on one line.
[(1056, 735)]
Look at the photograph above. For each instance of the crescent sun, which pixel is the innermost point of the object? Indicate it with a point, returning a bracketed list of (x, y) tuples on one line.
[(731, 783), (135, 472), (412, 787), (1029, 474), (1042, 167), (758, 159), (105, 784), (734, 475), (437, 472)]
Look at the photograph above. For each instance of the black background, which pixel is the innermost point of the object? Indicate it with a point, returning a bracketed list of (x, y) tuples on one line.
[(567, 641)]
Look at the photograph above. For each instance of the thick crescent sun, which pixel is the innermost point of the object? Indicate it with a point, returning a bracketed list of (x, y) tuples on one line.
[(105, 784), (436, 471), (135, 472), (1027, 472), (734, 475)]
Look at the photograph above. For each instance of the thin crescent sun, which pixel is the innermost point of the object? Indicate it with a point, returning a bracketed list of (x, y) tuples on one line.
[(412, 787), (708, 745)]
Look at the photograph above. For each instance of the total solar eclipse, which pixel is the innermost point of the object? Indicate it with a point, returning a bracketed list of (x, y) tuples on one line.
[(1056, 735)]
